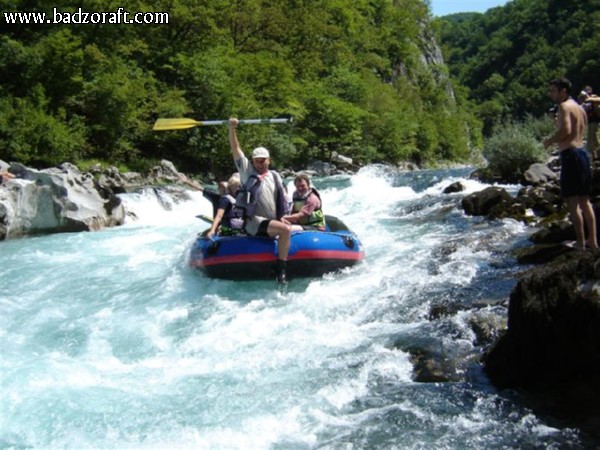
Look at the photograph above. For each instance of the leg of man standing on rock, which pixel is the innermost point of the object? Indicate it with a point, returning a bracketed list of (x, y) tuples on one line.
[(590, 221), (576, 220)]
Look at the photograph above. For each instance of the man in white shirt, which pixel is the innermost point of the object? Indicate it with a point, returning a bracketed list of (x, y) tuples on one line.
[(266, 218)]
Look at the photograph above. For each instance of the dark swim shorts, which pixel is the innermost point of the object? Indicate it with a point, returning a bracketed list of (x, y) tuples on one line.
[(575, 173)]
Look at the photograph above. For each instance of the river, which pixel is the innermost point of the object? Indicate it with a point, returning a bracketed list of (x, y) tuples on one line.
[(109, 340)]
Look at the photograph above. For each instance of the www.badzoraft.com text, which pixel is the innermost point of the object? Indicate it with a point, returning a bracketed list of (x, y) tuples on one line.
[(120, 16)]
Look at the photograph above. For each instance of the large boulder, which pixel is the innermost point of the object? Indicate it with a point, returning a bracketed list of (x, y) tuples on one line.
[(55, 200), (552, 345)]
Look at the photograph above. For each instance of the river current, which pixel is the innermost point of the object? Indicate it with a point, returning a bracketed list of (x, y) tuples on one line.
[(109, 340)]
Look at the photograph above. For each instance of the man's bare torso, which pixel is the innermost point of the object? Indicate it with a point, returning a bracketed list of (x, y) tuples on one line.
[(572, 118)]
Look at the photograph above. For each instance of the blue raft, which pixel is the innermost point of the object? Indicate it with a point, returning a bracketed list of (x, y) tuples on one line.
[(312, 253)]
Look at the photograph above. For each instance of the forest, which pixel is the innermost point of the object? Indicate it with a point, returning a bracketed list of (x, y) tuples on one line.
[(503, 59), (353, 75), (360, 78)]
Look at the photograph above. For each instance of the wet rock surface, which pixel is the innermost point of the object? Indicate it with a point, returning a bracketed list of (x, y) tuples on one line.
[(551, 348), (64, 199)]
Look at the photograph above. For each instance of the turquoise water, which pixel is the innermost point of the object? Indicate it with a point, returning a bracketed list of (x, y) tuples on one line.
[(109, 340)]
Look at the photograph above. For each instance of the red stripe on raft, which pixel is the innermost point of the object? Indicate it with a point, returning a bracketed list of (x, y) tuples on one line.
[(269, 257), (255, 257), (327, 254)]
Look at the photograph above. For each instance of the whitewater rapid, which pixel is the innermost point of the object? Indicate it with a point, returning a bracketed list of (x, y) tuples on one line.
[(110, 340)]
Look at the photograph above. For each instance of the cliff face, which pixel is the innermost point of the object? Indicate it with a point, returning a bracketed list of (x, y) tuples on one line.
[(552, 346), (430, 62), (431, 55)]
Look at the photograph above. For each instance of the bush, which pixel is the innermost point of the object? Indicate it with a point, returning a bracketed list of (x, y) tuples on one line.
[(539, 127), (511, 150)]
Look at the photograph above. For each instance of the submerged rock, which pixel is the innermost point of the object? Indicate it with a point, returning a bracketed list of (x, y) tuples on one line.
[(457, 186)]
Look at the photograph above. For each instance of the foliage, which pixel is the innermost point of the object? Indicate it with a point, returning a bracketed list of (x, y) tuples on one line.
[(506, 56), (512, 148), (352, 75)]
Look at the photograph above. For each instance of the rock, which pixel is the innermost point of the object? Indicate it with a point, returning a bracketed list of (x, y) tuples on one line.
[(555, 233), (120, 183), (432, 368), (341, 160), (165, 173), (553, 335), (407, 166), (310, 173), (56, 200), (541, 253), (321, 168), (543, 202), (480, 203), (457, 186), (487, 326), (538, 174), (288, 173), (507, 210), (485, 176)]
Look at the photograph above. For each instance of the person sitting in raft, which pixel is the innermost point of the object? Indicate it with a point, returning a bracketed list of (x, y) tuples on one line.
[(262, 198), (227, 216), (307, 213), (213, 197), (5, 175)]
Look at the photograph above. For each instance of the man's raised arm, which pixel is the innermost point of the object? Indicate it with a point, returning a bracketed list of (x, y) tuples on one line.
[(236, 150)]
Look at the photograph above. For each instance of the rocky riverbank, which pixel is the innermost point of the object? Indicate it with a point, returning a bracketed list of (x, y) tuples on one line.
[(550, 350), (64, 199)]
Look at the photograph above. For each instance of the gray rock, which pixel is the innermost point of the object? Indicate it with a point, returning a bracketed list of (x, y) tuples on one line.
[(538, 174), (322, 168), (55, 200), (341, 159)]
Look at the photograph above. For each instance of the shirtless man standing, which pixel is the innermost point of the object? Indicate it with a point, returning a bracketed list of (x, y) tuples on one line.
[(575, 175)]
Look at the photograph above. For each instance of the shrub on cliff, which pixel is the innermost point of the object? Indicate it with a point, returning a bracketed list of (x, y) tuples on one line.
[(511, 149)]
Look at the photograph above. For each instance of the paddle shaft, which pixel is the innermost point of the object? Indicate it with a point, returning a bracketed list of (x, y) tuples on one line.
[(184, 123), (245, 121)]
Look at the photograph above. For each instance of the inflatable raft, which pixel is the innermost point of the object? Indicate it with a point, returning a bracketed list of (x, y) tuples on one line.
[(312, 253)]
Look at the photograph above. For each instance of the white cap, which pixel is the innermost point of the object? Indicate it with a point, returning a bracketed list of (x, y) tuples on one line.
[(260, 152)]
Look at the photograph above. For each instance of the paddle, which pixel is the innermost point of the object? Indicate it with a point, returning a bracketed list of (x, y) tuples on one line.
[(207, 219), (183, 123)]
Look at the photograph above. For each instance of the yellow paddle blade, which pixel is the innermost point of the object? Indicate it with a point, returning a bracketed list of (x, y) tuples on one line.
[(174, 124)]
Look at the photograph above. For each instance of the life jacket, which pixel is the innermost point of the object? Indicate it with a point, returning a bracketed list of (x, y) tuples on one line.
[(233, 220), (317, 218), (249, 194)]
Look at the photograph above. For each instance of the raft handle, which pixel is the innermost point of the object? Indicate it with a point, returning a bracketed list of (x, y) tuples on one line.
[(348, 241)]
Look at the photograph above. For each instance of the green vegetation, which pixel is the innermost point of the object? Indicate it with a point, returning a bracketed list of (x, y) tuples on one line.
[(505, 57), (350, 73), (513, 147)]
